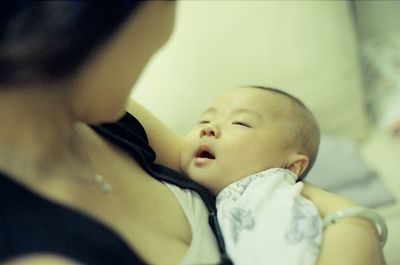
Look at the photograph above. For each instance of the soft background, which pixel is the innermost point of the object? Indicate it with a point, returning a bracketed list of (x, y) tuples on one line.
[(308, 48)]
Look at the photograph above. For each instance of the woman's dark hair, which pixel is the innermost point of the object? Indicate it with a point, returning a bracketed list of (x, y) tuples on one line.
[(48, 40)]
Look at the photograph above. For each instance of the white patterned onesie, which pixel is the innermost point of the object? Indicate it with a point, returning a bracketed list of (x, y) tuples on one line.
[(265, 220)]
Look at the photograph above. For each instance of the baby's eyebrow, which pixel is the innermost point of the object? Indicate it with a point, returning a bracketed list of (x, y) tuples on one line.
[(212, 111), (208, 111), (248, 111)]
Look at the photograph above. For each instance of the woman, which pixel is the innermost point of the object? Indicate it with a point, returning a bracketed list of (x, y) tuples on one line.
[(73, 191)]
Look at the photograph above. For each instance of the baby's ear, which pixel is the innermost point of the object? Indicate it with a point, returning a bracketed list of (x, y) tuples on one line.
[(297, 163)]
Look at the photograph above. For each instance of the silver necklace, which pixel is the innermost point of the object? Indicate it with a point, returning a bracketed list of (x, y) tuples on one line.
[(105, 186)]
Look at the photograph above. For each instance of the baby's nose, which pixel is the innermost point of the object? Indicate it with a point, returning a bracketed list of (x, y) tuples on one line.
[(210, 131)]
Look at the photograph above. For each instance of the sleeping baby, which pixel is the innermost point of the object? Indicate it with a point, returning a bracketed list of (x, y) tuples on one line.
[(250, 149)]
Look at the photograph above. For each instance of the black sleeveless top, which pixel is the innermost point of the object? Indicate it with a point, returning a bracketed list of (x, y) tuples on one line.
[(30, 223)]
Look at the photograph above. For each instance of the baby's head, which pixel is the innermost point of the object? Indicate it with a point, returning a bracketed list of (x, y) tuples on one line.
[(247, 130)]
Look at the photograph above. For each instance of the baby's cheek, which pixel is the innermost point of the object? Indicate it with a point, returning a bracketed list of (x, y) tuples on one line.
[(185, 153)]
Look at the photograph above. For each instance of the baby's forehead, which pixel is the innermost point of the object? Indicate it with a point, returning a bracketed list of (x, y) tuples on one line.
[(254, 98), (259, 105), (255, 93)]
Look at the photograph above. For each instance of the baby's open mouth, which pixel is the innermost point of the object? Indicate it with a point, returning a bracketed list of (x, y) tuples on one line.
[(204, 152)]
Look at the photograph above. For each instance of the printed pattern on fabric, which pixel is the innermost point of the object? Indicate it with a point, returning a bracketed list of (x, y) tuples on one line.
[(304, 226), (265, 220), (241, 219)]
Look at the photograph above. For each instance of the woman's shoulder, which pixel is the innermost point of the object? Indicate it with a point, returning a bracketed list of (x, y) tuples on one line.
[(127, 126), (164, 140), (128, 134)]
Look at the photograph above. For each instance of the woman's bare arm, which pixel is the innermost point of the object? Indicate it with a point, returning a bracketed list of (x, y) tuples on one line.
[(165, 141), (350, 241)]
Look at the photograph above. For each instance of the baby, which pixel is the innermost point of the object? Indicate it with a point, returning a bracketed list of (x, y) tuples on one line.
[(250, 149)]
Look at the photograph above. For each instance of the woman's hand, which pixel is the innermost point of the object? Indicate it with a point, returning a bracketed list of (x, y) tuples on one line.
[(350, 241), (326, 202)]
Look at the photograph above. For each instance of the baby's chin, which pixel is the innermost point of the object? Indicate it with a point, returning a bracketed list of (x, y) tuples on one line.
[(213, 189), (206, 181)]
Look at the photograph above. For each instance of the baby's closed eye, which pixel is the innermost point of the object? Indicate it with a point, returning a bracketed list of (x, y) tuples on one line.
[(240, 123), (204, 121)]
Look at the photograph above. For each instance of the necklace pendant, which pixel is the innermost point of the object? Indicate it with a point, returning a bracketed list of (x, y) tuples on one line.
[(104, 185), (99, 178)]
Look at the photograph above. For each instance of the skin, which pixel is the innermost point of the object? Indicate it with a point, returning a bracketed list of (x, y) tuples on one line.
[(247, 130), (350, 241)]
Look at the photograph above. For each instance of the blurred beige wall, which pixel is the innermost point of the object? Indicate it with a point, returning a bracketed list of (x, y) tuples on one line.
[(375, 18), (307, 48)]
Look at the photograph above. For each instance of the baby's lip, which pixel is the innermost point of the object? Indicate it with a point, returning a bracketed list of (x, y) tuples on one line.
[(204, 152)]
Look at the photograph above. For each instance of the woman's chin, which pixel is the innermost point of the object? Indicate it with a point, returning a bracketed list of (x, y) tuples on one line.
[(105, 117)]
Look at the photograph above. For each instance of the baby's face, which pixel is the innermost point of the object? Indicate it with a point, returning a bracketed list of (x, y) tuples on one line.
[(240, 134)]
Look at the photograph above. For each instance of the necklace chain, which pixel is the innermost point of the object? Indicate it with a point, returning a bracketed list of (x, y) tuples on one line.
[(105, 186)]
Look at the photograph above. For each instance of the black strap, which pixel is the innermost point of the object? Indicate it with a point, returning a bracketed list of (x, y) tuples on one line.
[(213, 221)]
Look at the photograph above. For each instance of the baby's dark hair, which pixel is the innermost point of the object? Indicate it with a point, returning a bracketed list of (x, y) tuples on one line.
[(308, 133), (48, 40)]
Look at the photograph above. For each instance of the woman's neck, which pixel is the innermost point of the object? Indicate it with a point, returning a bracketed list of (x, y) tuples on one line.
[(37, 128)]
